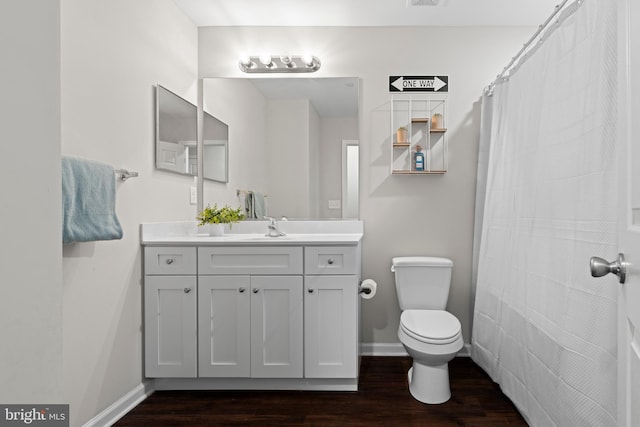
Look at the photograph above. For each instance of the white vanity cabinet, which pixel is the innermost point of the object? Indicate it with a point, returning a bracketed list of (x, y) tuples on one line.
[(170, 312), (330, 312), (250, 325), (225, 314)]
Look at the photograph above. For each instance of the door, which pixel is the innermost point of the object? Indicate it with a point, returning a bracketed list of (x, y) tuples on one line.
[(350, 178), (170, 326), (224, 326), (276, 326), (330, 323), (629, 208)]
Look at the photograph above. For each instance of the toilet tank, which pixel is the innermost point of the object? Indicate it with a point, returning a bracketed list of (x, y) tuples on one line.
[(422, 282)]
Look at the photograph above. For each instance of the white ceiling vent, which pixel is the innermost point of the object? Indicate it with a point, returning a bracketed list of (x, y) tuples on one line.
[(422, 2)]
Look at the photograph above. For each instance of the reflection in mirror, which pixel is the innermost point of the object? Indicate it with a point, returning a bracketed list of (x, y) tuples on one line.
[(291, 139), (176, 127), (215, 144)]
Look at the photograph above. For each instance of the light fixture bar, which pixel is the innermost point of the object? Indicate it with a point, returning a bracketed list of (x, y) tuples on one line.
[(280, 64)]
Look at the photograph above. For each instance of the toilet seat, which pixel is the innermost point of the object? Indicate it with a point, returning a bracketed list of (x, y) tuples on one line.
[(431, 326)]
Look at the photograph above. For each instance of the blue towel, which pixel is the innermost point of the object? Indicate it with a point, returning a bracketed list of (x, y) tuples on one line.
[(258, 205), (88, 202), (254, 205)]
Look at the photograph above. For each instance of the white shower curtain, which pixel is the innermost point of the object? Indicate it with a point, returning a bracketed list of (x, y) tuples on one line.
[(544, 329)]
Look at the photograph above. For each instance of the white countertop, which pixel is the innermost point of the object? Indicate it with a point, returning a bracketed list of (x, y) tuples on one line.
[(347, 232)]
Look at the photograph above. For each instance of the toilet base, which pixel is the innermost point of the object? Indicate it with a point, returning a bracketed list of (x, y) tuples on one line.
[(429, 384)]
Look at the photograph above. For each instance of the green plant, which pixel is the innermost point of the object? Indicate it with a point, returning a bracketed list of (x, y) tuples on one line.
[(224, 215)]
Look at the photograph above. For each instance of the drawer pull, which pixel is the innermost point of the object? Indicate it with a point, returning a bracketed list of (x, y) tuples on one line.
[(330, 261), (255, 290), (169, 261), (187, 290), (241, 290)]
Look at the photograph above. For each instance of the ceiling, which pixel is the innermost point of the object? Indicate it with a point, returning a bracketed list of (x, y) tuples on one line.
[(370, 13)]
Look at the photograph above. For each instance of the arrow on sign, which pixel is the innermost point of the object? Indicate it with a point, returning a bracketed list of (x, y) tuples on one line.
[(418, 83)]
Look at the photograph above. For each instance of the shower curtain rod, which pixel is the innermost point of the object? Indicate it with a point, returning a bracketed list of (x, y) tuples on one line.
[(541, 28)]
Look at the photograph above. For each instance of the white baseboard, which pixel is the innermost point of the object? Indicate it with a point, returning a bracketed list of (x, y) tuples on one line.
[(121, 406), (382, 349), (396, 349)]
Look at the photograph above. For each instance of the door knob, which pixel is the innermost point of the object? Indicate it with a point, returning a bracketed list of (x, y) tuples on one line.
[(601, 267)]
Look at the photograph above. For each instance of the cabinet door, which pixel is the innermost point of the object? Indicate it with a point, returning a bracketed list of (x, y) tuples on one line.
[(331, 325), (170, 326), (224, 326), (276, 326)]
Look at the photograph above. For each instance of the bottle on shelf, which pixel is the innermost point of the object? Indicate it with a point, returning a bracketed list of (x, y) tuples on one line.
[(418, 159)]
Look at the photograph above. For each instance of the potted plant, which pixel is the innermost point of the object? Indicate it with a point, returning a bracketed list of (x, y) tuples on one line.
[(216, 218), (401, 135)]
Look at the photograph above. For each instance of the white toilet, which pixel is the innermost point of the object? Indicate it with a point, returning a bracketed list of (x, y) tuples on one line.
[(431, 335)]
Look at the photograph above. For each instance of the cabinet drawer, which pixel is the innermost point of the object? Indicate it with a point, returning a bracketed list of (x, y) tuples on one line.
[(330, 260), (253, 260), (169, 260)]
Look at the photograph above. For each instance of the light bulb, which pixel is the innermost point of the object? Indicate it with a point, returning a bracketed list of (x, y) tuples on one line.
[(287, 61), (246, 61), (265, 59), (307, 59)]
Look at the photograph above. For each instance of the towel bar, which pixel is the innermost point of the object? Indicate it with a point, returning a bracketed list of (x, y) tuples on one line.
[(124, 174), (245, 192)]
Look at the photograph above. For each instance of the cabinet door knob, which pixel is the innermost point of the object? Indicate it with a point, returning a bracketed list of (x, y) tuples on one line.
[(187, 290), (330, 261), (241, 290), (255, 290), (310, 290), (169, 261)]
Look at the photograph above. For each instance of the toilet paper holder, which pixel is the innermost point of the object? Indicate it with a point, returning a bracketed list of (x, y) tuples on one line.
[(363, 290), (367, 289)]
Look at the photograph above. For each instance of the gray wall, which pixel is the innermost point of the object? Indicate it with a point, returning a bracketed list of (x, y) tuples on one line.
[(403, 215), (31, 205)]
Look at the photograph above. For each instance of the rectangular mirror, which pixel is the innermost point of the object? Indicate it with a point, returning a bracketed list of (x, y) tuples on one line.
[(176, 131), (295, 141), (176, 138)]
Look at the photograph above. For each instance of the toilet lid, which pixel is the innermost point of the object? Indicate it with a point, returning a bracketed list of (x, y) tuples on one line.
[(431, 326)]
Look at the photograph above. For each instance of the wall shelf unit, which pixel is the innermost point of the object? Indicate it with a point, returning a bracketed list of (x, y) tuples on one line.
[(418, 124)]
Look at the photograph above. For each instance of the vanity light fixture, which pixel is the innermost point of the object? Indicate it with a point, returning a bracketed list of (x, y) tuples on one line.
[(279, 64)]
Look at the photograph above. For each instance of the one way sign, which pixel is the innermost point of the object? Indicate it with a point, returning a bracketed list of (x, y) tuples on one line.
[(418, 83)]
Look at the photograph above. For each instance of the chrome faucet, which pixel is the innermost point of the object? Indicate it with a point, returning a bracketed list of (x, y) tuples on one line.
[(273, 230)]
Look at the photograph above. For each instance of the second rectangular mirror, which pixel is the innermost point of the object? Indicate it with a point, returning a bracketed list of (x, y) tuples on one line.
[(176, 138)]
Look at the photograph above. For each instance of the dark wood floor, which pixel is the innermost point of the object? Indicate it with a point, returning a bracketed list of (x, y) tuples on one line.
[(383, 399)]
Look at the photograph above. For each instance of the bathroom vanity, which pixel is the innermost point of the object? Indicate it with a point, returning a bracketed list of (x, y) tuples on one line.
[(246, 311)]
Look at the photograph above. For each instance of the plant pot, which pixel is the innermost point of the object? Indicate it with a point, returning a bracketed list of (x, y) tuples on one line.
[(216, 229), (401, 136)]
